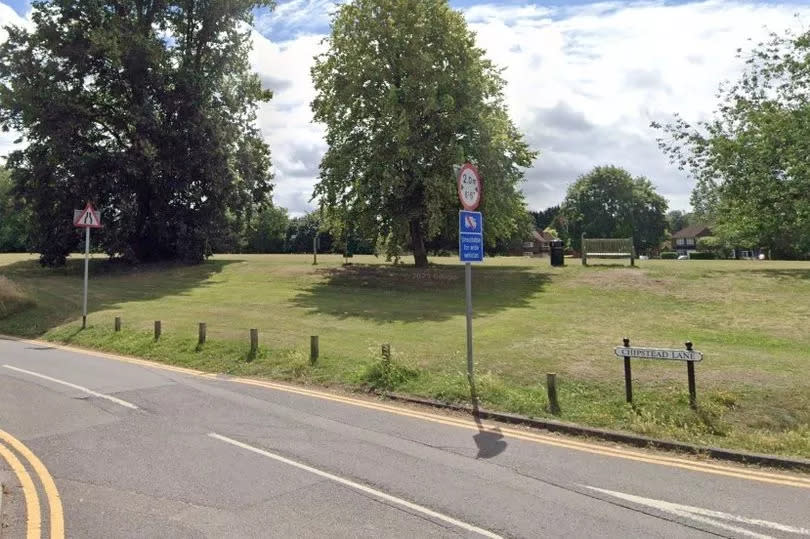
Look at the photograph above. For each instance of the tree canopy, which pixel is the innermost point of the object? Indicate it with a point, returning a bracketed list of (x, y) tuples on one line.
[(608, 202), (405, 95), (750, 161), (144, 107)]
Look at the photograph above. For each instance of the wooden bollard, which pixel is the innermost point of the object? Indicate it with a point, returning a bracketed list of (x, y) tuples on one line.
[(157, 329), (313, 349), (201, 337), (386, 353), (551, 387), (117, 323), (254, 341)]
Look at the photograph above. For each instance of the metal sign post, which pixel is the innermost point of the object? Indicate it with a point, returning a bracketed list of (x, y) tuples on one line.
[(470, 249), (86, 219)]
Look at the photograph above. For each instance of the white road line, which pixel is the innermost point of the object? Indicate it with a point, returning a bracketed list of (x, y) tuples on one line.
[(358, 486), (706, 516), (74, 386)]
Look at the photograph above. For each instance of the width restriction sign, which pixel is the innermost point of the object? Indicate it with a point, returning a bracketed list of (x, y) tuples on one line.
[(469, 187)]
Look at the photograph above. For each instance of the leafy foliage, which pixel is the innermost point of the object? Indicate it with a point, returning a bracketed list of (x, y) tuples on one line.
[(610, 203), (750, 160), (268, 231), (147, 109), (405, 95), (15, 218), (677, 220)]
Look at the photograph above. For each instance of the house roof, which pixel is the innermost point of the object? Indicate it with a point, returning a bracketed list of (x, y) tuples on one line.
[(694, 231), (538, 235)]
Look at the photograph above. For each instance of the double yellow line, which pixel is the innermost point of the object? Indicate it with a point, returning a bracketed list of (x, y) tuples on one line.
[(660, 459), (8, 445)]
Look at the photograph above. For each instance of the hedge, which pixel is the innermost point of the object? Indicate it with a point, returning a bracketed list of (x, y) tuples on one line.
[(669, 256), (702, 255)]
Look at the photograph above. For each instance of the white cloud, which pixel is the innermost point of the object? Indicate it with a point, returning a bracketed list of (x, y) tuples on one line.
[(8, 17)]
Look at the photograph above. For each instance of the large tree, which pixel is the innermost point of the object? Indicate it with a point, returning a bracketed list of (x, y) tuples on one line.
[(405, 95), (750, 161), (144, 107), (15, 219), (608, 202)]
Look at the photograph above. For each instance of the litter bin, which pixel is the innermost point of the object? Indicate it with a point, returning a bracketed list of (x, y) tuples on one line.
[(557, 257)]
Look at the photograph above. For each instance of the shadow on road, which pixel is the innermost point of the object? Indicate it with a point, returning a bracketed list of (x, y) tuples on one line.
[(489, 441)]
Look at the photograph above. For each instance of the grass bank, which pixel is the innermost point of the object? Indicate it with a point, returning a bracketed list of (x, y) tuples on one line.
[(749, 318)]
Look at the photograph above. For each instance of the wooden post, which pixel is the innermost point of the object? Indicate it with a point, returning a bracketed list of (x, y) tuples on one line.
[(551, 387), (690, 373), (117, 323), (628, 379), (157, 329), (201, 338), (315, 249), (313, 349), (632, 252), (386, 353), (254, 341), (582, 248)]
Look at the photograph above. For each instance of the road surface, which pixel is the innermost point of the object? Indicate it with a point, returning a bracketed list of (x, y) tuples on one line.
[(133, 449)]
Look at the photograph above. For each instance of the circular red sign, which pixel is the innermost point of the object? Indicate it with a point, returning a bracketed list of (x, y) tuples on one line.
[(469, 187)]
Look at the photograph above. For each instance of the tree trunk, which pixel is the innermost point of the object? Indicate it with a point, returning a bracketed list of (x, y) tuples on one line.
[(418, 244)]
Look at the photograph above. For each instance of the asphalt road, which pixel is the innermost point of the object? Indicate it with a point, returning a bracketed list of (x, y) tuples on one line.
[(140, 450)]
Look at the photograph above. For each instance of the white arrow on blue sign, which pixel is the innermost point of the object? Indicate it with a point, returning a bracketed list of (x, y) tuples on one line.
[(470, 236)]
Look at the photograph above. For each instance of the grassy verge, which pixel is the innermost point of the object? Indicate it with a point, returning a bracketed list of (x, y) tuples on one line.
[(12, 298), (749, 319)]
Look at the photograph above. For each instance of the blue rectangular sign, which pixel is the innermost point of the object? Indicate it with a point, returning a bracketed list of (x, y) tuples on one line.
[(470, 236)]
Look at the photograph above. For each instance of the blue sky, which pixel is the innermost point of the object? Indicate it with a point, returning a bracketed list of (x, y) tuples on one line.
[(584, 80)]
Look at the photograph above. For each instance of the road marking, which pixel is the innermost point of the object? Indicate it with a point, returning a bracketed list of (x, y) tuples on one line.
[(650, 458), (706, 516), (55, 514), (32, 511), (74, 386), (357, 486), (598, 449)]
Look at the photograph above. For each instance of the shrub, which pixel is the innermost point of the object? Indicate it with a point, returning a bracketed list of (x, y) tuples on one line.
[(669, 255), (702, 255)]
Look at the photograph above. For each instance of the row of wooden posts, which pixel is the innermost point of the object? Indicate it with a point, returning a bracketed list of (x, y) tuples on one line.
[(254, 338), (314, 351)]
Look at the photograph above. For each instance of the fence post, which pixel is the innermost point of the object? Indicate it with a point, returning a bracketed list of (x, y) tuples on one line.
[(628, 380), (254, 342), (632, 252), (157, 329), (551, 387), (201, 337), (313, 349), (117, 323), (582, 248), (386, 353), (690, 373)]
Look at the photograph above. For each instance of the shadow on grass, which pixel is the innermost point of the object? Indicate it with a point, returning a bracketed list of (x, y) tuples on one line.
[(408, 294), (57, 292)]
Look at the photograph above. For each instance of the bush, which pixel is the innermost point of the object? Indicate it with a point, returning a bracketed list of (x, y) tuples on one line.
[(702, 255), (669, 255)]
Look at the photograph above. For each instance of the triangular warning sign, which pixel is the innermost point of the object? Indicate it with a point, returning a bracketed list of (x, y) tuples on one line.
[(87, 218)]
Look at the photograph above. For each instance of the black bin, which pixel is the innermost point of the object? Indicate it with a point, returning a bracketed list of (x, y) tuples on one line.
[(557, 257)]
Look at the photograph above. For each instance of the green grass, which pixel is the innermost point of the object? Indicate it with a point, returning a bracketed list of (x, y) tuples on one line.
[(749, 318)]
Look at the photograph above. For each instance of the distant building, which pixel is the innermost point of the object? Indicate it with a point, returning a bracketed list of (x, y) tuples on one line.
[(535, 245), (685, 240)]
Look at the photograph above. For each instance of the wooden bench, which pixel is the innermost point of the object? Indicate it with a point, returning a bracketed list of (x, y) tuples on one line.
[(607, 248)]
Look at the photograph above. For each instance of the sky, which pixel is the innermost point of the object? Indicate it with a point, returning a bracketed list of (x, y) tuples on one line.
[(584, 80)]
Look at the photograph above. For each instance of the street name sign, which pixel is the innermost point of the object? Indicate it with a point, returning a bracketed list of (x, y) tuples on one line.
[(469, 187), (470, 236), (658, 353)]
